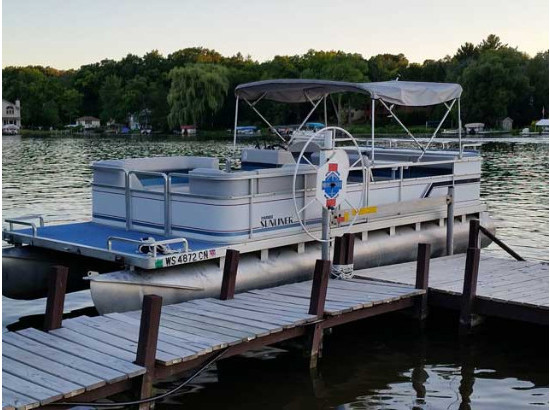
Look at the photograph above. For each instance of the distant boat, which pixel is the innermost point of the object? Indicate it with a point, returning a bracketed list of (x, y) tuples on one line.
[(10, 129), (474, 128), (188, 130), (247, 130)]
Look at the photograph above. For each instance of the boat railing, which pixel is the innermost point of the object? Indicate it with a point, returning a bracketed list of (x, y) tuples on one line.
[(166, 194), (24, 220), (151, 243)]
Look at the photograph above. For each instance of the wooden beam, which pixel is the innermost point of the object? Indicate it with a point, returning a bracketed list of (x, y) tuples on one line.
[(147, 344), (473, 238), (422, 275), (229, 274), (349, 242), (339, 251), (469, 289), (57, 286), (319, 287)]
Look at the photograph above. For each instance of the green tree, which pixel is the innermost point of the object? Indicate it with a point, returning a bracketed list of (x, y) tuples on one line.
[(111, 98), (196, 90)]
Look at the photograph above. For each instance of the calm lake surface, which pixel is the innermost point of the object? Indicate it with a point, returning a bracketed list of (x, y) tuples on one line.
[(381, 363)]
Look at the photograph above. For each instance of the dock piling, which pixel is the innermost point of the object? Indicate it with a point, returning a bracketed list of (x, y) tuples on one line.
[(469, 290), (229, 274), (317, 307), (450, 219), (56, 298), (422, 276), (349, 243), (473, 238), (147, 344)]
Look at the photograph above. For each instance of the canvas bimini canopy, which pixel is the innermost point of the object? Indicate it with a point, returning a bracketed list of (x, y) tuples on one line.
[(408, 93), (404, 93)]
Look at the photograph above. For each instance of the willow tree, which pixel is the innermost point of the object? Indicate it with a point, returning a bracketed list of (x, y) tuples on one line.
[(196, 90)]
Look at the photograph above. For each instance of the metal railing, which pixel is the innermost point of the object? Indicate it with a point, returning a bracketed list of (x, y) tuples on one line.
[(23, 220)]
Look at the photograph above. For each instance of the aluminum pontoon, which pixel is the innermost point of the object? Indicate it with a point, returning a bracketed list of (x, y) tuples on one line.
[(162, 225)]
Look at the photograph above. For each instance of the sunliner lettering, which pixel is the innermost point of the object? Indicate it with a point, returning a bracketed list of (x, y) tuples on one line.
[(269, 221)]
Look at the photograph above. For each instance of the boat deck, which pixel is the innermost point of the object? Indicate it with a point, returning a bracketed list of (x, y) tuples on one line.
[(90, 354), (90, 239)]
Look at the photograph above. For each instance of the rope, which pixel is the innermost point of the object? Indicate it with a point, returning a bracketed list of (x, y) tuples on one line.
[(342, 271)]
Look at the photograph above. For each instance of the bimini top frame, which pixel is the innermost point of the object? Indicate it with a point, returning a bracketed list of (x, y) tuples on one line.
[(406, 93)]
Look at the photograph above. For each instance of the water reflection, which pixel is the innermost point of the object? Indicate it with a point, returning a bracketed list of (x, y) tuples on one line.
[(387, 363)]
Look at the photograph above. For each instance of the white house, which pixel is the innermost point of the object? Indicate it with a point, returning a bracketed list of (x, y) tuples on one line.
[(11, 113), (88, 122)]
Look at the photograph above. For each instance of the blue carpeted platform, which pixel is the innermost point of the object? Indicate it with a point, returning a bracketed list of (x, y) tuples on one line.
[(95, 235)]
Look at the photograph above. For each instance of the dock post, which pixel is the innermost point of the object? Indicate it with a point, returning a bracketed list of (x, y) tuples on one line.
[(229, 274), (339, 251), (450, 219), (349, 242), (56, 297), (469, 290), (147, 344), (422, 275), (473, 238), (317, 307)]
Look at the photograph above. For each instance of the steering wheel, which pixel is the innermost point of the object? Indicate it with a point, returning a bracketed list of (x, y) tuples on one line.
[(347, 137)]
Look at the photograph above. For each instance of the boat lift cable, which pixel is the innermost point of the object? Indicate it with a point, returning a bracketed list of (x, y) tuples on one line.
[(150, 399)]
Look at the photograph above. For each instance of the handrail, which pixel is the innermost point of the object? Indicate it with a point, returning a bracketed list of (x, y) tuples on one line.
[(154, 244), (167, 221), (21, 220)]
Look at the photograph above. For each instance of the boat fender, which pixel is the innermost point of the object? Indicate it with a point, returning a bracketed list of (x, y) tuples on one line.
[(342, 271), (148, 249)]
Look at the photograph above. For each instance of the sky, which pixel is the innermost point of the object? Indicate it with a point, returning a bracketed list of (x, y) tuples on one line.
[(69, 33)]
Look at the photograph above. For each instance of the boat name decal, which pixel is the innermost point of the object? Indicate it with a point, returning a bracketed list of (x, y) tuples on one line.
[(270, 221)]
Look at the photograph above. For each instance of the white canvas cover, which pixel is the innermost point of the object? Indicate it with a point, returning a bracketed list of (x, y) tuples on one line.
[(408, 93), (542, 123)]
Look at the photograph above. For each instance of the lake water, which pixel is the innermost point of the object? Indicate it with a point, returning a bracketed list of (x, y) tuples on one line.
[(380, 363)]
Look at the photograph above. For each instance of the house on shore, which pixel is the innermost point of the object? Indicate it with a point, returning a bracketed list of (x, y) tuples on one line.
[(11, 113), (506, 124), (88, 122)]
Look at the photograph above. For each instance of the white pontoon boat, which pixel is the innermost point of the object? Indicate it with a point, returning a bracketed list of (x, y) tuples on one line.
[(162, 225)]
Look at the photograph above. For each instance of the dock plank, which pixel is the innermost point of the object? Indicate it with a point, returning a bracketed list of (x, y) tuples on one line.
[(29, 389), (105, 373), (13, 400), (127, 368), (52, 367), (40, 378)]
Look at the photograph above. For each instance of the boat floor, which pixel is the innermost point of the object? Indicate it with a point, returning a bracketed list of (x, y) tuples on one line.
[(88, 238)]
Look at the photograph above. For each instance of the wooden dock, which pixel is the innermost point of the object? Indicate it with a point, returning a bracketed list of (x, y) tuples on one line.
[(94, 357), (505, 288), (84, 359)]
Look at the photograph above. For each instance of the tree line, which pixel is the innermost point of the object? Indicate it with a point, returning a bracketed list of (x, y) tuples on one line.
[(194, 85)]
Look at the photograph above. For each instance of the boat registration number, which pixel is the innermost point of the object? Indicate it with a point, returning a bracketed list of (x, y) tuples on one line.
[(188, 257)]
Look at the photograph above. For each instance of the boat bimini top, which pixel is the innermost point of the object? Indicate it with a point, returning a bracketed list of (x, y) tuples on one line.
[(404, 93)]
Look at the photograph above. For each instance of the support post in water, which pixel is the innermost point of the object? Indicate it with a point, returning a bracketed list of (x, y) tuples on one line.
[(469, 290), (317, 307), (229, 274), (422, 275), (147, 344), (450, 219), (473, 238), (349, 243), (57, 285)]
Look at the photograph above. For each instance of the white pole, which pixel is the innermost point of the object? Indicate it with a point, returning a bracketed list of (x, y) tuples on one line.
[(372, 130), (235, 125), (325, 227), (459, 132)]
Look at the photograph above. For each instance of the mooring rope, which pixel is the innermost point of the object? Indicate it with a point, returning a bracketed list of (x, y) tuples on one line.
[(342, 271)]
